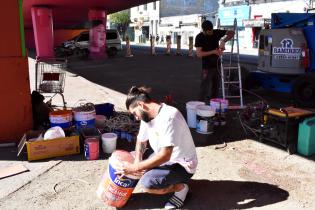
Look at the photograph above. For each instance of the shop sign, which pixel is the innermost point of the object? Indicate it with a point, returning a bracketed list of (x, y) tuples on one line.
[(253, 23), (228, 14), (287, 51)]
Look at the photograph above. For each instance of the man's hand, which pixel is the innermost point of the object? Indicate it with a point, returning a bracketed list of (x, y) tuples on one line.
[(222, 45), (217, 52), (125, 168)]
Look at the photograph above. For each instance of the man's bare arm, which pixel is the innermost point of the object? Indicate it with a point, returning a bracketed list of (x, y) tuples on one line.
[(158, 159), (228, 36), (140, 149)]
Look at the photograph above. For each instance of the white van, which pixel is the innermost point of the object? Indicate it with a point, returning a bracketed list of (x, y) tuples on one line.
[(113, 41)]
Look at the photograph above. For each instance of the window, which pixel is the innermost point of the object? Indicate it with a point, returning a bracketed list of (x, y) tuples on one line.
[(145, 7), (111, 35), (154, 5)]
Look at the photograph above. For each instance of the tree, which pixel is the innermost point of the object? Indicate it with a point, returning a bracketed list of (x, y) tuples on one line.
[(121, 20)]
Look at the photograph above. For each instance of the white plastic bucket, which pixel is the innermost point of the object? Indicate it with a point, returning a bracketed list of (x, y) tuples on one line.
[(114, 189), (109, 141), (219, 104), (191, 112), (205, 119)]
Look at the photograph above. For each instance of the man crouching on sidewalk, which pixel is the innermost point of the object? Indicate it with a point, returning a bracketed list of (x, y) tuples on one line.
[(174, 160)]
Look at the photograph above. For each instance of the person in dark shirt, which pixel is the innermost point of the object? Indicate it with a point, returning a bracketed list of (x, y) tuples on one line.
[(210, 44)]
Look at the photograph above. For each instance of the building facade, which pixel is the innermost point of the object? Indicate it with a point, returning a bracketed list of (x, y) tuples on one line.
[(184, 17), (254, 15), (171, 17), (145, 21)]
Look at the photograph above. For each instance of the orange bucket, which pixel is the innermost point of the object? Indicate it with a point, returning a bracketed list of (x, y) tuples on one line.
[(115, 190)]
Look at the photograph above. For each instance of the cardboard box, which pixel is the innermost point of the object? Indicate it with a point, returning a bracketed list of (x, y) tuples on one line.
[(37, 150)]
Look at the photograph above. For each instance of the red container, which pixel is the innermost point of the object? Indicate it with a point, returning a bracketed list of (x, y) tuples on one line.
[(91, 148)]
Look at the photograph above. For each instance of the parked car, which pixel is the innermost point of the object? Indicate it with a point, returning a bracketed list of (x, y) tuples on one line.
[(80, 44)]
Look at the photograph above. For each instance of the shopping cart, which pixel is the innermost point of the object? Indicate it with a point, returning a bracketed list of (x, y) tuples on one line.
[(50, 77)]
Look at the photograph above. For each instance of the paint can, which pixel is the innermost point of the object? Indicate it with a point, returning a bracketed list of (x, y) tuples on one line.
[(115, 190), (61, 118), (91, 148), (84, 118), (191, 112), (221, 107), (205, 119), (109, 141)]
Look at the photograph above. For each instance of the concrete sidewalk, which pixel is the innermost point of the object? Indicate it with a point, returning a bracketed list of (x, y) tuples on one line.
[(77, 89), (245, 174)]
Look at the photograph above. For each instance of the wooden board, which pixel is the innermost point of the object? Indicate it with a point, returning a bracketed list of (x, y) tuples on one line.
[(292, 112), (12, 170)]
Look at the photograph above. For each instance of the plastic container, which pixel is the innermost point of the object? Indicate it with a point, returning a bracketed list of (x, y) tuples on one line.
[(91, 148), (61, 118), (109, 141), (106, 109), (84, 118), (306, 137), (191, 112), (87, 133), (115, 190), (220, 106), (100, 121), (205, 119), (54, 133)]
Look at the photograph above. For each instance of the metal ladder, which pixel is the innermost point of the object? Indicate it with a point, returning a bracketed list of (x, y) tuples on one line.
[(230, 63)]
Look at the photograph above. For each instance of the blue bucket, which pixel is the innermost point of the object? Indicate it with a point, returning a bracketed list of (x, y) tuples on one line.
[(106, 109)]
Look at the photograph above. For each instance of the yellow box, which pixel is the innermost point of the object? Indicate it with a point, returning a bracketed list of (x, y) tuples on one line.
[(37, 150)]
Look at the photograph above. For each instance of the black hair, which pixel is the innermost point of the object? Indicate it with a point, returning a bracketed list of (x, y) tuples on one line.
[(207, 25), (95, 23), (136, 94)]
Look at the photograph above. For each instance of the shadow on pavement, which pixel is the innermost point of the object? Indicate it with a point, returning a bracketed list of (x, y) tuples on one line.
[(224, 194)]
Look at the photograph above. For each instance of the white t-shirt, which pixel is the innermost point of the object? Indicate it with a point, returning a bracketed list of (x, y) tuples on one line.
[(169, 128)]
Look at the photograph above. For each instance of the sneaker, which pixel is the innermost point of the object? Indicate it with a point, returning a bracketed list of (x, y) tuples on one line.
[(177, 200)]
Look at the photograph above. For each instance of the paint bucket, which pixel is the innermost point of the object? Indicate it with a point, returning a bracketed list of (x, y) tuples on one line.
[(91, 148), (109, 141), (84, 118), (62, 118), (115, 190), (191, 112), (205, 119), (221, 106)]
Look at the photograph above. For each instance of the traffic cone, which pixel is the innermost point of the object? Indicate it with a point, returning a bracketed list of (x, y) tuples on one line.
[(128, 50), (179, 50), (168, 45), (191, 47), (152, 42)]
